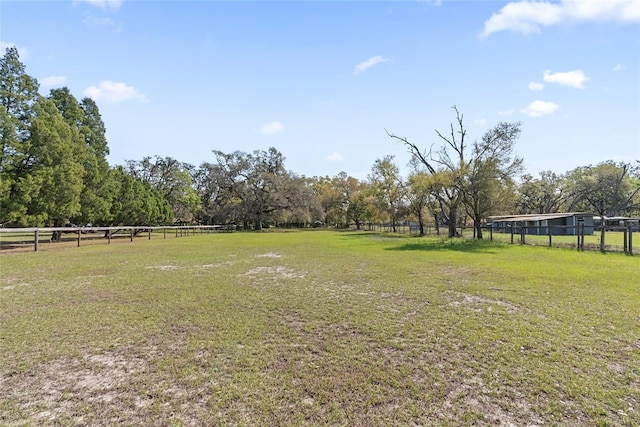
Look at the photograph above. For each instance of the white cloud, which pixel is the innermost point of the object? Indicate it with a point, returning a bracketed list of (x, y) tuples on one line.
[(98, 21), (540, 108), (102, 4), (618, 67), (536, 86), (114, 92), (523, 17), (53, 81), (603, 10), (102, 22), (530, 16), (22, 51), (365, 65), (574, 78), (335, 157), (271, 128)]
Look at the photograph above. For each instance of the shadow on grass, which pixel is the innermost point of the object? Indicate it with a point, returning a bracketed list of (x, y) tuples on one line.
[(460, 245), (360, 234), (414, 243)]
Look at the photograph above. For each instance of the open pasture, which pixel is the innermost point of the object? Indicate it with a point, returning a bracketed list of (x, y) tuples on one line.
[(319, 328)]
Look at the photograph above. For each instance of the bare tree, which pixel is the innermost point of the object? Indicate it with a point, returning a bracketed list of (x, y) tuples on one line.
[(449, 196), (475, 177)]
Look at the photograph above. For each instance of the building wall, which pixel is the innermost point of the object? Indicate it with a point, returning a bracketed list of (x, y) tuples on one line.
[(556, 226)]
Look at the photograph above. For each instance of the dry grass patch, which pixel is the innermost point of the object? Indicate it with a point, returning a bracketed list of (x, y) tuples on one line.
[(478, 303), (269, 255), (59, 390), (271, 272)]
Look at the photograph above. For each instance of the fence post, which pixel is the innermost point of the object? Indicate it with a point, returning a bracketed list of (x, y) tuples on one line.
[(491, 232), (78, 238), (549, 233), (630, 241), (512, 227), (577, 228), (578, 233), (149, 233), (624, 240), (35, 241), (131, 234), (164, 230), (522, 240), (109, 236)]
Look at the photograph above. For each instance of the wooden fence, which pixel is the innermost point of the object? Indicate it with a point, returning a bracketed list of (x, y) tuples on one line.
[(568, 236), (25, 238), (12, 238), (561, 234)]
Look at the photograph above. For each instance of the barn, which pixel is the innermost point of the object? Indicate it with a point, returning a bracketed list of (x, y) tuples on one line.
[(568, 224), (617, 223)]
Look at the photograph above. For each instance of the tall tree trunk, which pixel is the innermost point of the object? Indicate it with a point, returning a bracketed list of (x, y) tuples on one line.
[(57, 235), (421, 223), (453, 214), (257, 226), (477, 223), (602, 232)]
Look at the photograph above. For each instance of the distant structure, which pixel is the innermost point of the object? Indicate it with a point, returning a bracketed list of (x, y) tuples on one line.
[(612, 223), (557, 224)]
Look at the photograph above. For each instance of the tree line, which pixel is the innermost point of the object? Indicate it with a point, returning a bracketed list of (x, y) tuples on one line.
[(53, 171)]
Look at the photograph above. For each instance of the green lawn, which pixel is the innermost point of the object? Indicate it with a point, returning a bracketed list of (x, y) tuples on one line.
[(319, 328)]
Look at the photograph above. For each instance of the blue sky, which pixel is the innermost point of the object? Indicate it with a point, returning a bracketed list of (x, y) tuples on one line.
[(322, 80)]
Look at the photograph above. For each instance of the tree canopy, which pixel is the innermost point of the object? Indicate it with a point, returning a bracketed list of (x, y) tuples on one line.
[(54, 170), (477, 176)]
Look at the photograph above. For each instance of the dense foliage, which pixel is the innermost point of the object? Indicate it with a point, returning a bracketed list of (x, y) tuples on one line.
[(53, 167), (54, 171)]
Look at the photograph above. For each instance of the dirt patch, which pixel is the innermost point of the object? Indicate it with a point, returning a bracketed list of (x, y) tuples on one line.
[(17, 285), (64, 385), (162, 267), (473, 395), (478, 303), (269, 255), (12, 282), (273, 272), (217, 265), (103, 373)]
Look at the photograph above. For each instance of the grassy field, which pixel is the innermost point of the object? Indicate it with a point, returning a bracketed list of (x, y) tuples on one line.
[(23, 241), (319, 328)]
